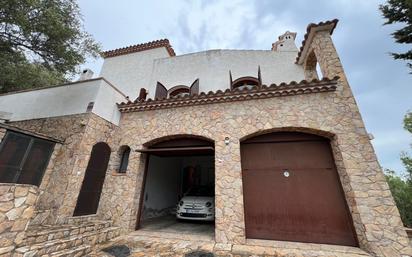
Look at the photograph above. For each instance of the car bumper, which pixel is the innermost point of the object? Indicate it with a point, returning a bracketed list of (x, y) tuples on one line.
[(195, 216)]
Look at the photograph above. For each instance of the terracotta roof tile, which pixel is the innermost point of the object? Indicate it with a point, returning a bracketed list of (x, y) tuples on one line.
[(283, 89), (312, 26), (140, 47)]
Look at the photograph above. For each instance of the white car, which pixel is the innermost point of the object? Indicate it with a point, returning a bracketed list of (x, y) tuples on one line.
[(197, 204)]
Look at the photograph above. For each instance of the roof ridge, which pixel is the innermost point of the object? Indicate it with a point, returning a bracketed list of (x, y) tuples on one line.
[(140, 47), (310, 26)]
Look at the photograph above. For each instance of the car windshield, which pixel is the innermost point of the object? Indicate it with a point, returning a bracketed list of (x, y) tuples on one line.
[(201, 191)]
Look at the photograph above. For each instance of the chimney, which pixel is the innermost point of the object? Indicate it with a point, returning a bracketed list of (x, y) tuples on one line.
[(86, 74), (286, 42)]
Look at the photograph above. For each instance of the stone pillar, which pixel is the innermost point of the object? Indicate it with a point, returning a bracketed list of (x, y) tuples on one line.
[(16, 209), (382, 232), (229, 224)]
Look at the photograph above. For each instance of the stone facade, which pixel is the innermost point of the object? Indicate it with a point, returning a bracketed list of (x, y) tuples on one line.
[(332, 114), (16, 209), (69, 161)]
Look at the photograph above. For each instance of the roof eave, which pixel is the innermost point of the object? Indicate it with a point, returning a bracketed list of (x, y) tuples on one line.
[(310, 32)]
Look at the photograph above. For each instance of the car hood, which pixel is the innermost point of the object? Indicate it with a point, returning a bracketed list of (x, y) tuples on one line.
[(198, 199)]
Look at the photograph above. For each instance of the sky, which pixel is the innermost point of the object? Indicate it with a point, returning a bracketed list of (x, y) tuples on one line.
[(382, 86)]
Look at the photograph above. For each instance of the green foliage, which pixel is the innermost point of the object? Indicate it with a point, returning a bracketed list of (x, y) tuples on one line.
[(402, 194), (401, 189), (41, 42), (400, 11), (406, 159)]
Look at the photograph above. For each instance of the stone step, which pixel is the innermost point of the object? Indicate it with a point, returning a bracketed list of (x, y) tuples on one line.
[(80, 219), (59, 245), (43, 233), (81, 250)]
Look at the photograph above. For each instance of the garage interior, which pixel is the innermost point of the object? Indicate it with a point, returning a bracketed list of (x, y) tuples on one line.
[(173, 168)]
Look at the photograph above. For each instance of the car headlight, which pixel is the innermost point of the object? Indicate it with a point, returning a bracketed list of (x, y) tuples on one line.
[(208, 204), (181, 203)]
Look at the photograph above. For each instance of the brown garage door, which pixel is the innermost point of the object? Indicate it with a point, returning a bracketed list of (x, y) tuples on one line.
[(292, 190)]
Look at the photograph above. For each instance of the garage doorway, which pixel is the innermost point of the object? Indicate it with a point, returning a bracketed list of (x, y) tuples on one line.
[(292, 190), (178, 187)]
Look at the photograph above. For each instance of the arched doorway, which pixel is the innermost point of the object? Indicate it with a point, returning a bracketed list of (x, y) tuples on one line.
[(91, 189), (292, 190), (177, 194)]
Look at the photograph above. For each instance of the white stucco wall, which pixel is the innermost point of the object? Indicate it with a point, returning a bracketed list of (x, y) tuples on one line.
[(105, 103), (63, 100), (131, 72), (212, 68), (162, 183)]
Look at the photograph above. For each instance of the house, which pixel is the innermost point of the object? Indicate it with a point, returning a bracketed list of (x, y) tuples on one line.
[(276, 134)]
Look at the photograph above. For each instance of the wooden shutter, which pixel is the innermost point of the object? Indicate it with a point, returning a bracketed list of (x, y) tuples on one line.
[(23, 159), (36, 162), (161, 91), (194, 88), (12, 154), (259, 77), (142, 94)]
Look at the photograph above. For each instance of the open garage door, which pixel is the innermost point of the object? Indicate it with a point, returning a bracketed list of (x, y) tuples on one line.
[(178, 188), (292, 190)]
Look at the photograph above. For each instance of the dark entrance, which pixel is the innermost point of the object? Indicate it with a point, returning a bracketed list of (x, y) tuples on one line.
[(176, 168), (89, 195), (292, 190)]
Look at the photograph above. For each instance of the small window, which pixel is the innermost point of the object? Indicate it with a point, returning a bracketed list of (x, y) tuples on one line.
[(179, 91), (247, 82), (124, 159), (23, 159)]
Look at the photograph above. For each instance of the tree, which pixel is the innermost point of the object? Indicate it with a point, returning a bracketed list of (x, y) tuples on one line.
[(400, 11), (402, 194), (42, 42), (406, 159), (401, 189)]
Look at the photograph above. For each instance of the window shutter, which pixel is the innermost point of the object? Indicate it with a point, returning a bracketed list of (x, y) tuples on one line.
[(194, 88), (23, 159), (12, 153), (36, 162), (142, 95), (161, 91), (259, 77)]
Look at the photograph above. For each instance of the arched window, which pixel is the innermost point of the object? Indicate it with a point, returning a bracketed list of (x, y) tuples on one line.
[(124, 158), (179, 91), (89, 196), (245, 82)]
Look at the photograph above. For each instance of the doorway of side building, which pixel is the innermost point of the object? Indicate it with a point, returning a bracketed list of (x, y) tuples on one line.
[(178, 188)]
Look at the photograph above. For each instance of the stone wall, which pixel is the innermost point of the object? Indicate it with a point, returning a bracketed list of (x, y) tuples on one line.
[(380, 229), (68, 129), (59, 188), (334, 114), (331, 114), (96, 130), (16, 209), (63, 178)]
